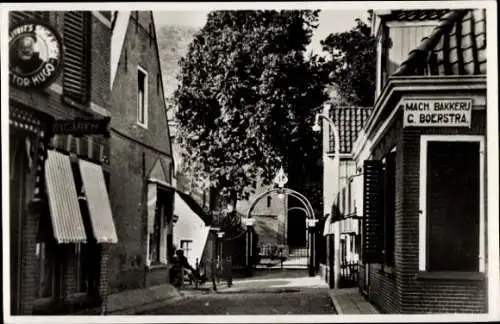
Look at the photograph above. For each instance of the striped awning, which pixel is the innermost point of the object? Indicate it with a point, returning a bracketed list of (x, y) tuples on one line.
[(101, 218), (67, 222)]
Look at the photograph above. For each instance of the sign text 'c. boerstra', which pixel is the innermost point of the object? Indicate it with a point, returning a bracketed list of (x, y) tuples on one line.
[(437, 112)]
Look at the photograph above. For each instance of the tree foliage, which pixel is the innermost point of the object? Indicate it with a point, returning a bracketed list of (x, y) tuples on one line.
[(247, 97), (352, 62)]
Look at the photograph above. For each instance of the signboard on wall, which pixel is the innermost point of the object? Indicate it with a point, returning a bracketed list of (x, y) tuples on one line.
[(437, 112), (80, 127), (35, 54)]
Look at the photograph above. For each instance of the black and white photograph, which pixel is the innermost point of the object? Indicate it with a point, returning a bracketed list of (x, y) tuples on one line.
[(250, 162)]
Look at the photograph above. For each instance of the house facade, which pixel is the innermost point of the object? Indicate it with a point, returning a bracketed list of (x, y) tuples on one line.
[(341, 204), (61, 225), (141, 173), (422, 153)]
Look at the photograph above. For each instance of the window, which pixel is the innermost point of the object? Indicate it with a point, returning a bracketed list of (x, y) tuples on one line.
[(389, 207), (46, 271), (142, 97), (186, 246), (451, 203), (76, 72), (269, 199)]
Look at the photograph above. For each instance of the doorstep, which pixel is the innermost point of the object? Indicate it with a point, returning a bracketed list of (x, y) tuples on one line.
[(348, 301)]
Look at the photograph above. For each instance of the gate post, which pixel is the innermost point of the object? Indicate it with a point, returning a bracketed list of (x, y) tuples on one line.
[(311, 229), (330, 241), (248, 222)]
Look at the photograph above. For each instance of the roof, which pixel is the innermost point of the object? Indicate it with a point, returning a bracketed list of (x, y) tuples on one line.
[(415, 15), (457, 46), (350, 121)]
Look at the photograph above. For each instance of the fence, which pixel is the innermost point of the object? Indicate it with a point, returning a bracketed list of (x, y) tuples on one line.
[(349, 274)]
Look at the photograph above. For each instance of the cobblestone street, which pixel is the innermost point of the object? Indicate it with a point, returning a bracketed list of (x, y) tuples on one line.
[(291, 301), (268, 293)]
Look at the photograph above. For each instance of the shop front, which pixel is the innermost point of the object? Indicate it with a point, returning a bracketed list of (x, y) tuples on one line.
[(424, 226), (60, 220)]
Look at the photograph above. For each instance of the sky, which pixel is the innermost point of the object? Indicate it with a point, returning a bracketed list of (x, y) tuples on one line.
[(330, 21)]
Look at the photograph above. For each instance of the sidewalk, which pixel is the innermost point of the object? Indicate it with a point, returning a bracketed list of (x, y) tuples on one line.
[(348, 301), (140, 300)]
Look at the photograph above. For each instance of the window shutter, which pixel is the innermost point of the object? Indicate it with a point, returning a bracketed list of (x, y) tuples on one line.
[(17, 16), (76, 79), (373, 211)]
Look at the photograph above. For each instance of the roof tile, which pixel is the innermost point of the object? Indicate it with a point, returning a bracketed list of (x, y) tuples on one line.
[(350, 121), (451, 47)]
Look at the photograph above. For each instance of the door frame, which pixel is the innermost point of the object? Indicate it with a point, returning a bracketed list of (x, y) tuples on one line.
[(424, 140)]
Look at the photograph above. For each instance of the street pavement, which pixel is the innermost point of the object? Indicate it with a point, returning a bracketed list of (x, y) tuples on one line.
[(271, 293)]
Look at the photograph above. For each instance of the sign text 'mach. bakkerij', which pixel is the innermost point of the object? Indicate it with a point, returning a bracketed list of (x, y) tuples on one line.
[(437, 112)]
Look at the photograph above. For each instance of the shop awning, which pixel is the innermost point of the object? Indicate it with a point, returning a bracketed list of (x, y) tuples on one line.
[(101, 218), (67, 222)]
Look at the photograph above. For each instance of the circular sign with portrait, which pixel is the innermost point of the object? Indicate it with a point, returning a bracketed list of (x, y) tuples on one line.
[(35, 54)]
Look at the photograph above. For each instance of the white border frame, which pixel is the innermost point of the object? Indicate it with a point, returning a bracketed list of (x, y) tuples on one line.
[(422, 239), (146, 99)]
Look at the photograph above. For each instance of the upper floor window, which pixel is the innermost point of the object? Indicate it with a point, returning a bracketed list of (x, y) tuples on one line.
[(142, 97), (76, 35)]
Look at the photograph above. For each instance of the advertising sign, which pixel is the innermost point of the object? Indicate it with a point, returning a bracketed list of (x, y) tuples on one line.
[(79, 127), (437, 112), (35, 54)]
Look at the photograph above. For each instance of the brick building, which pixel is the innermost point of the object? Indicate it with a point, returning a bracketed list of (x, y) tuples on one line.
[(142, 168), (422, 153), (61, 225)]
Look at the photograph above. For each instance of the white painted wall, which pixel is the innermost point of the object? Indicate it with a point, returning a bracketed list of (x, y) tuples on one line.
[(191, 227)]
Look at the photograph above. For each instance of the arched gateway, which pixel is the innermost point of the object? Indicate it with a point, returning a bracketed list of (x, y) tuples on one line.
[(311, 221)]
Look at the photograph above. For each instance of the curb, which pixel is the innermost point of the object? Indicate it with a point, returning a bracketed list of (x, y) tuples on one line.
[(335, 303)]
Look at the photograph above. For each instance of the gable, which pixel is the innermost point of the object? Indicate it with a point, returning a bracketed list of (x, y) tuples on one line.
[(158, 173), (134, 47)]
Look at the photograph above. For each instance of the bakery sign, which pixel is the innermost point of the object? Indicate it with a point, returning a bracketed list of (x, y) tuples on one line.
[(437, 112), (35, 54)]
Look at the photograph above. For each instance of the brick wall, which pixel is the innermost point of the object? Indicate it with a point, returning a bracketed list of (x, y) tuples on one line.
[(51, 103), (432, 295), (385, 284), (127, 180), (135, 150), (397, 290)]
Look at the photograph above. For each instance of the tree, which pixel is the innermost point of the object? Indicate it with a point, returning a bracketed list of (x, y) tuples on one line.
[(353, 63), (247, 97)]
